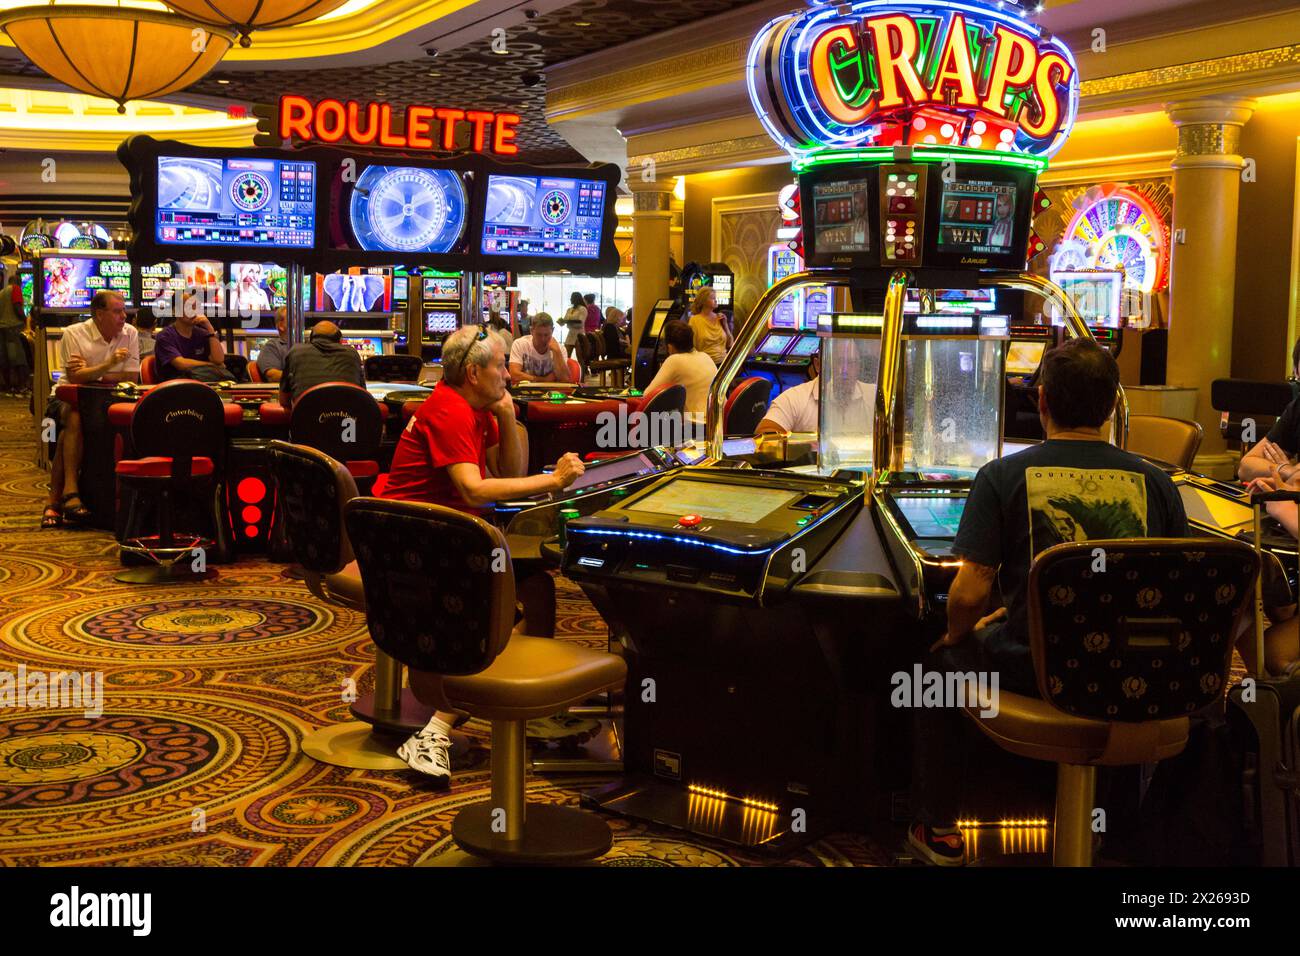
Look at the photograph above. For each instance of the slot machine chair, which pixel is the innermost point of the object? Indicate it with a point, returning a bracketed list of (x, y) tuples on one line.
[(746, 405), (1123, 659), (556, 429), (1240, 399), (434, 602), (610, 362), (318, 420), (664, 400), (148, 370), (178, 434), (255, 374), (1174, 441), (313, 490), (393, 368), (237, 365)]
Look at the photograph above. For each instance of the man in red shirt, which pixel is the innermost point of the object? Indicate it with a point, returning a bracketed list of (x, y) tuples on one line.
[(462, 450)]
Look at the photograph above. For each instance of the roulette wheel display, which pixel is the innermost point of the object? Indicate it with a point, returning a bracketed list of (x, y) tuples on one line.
[(408, 209)]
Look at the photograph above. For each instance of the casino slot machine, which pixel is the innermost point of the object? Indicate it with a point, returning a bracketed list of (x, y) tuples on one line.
[(440, 298), (360, 302), (783, 600)]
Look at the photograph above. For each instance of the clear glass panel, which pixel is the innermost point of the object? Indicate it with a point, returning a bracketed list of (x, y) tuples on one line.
[(952, 404), (850, 369)]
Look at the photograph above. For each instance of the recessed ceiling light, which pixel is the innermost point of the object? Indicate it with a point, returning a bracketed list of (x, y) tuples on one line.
[(582, 23), (435, 74), (223, 82)]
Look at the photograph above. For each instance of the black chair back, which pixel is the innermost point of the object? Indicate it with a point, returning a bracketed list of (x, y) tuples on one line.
[(613, 346), (312, 489), (440, 591), (182, 420), (746, 406), (670, 399), (1148, 638), (394, 368), (320, 420), (237, 366)]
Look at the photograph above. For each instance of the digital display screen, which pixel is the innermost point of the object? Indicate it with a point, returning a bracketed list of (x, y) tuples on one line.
[(977, 216), (354, 292), (401, 288), (932, 517), (70, 283), (817, 303), (441, 290), (158, 281), (775, 344), (611, 471), (1215, 511), (496, 278), (1023, 358), (841, 216), (540, 216), (408, 209), (722, 289), (366, 346), (237, 202), (807, 346), (27, 279), (738, 503), (441, 321), (1097, 296), (258, 287)]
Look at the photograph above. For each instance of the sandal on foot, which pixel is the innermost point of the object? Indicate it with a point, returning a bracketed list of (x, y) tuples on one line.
[(51, 517), (78, 515)]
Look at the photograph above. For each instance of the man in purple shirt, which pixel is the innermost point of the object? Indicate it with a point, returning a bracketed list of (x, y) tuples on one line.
[(189, 348)]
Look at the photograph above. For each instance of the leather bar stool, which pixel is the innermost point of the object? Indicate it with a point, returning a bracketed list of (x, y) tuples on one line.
[(1123, 658), (440, 600), (178, 435), (313, 489), (746, 406), (1174, 441)]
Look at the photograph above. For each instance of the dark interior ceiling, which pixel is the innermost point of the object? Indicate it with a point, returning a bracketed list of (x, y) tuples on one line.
[(472, 75)]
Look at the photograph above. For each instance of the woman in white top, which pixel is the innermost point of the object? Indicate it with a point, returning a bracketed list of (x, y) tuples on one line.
[(686, 366), (574, 320)]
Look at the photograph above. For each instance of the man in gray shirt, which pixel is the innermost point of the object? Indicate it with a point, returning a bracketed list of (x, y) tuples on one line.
[(323, 358), (270, 360)]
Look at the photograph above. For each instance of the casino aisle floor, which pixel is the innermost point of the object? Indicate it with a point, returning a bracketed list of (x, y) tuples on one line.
[(208, 691)]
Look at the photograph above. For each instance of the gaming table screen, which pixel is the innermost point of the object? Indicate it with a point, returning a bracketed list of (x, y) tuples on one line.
[(543, 217), (623, 468), (743, 505), (71, 282), (932, 516), (270, 203)]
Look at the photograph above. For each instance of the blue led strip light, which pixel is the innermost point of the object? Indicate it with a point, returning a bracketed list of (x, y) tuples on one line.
[(652, 536)]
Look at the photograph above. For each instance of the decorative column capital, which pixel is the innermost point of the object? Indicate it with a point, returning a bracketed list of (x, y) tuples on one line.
[(651, 198), (1209, 131)]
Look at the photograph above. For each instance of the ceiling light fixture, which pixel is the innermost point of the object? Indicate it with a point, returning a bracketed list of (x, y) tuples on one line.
[(245, 16)]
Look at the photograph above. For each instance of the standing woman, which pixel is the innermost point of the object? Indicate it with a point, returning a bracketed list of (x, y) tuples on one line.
[(574, 320), (712, 336)]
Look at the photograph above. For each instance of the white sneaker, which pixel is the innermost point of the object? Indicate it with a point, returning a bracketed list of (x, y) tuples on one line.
[(429, 752)]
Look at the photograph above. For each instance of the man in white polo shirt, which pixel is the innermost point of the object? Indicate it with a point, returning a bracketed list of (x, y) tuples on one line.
[(798, 409), (103, 348)]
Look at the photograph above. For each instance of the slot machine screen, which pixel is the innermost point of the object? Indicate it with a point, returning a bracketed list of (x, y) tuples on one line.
[(441, 289), (354, 292), (539, 216), (71, 283), (267, 203), (1023, 358), (28, 280), (806, 347), (401, 288), (159, 281), (365, 346), (775, 345), (1097, 296), (842, 216), (438, 322), (257, 287), (658, 318), (977, 216)]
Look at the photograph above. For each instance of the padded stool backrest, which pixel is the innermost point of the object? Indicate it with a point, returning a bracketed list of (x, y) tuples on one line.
[(180, 419), (613, 348), (313, 489), (1148, 638), (746, 406), (572, 428), (440, 591), (255, 373), (394, 368), (319, 418), (1171, 440), (148, 370), (666, 399)]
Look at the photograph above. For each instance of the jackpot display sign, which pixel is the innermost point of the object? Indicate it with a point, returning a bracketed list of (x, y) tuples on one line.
[(884, 73), (70, 282)]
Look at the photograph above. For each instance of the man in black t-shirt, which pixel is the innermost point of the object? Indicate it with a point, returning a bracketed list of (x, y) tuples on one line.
[(1075, 486)]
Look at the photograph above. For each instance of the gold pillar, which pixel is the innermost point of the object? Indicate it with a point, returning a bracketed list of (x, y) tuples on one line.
[(1202, 287), (651, 229)]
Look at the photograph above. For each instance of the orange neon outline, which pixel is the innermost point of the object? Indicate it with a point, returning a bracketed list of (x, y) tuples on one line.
[(449, 119), (503, 132), (354, 122), (824, 84), (291, 125), (336, 106), (480, 119), (1045, 88), (957, 50), (1002, 79), (890, 66), (419, 121), (386, 135)]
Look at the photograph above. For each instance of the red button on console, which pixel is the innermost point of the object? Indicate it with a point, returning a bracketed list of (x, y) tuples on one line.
[(689, 521)]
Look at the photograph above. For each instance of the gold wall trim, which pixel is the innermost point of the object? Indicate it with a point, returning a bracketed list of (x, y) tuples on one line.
[(733, 149), (1238, 65)]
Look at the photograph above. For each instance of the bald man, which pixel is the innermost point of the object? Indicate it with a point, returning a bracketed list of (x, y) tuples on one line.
[(322, 358)]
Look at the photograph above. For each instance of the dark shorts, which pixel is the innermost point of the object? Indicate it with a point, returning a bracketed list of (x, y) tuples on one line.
[(13, 354)]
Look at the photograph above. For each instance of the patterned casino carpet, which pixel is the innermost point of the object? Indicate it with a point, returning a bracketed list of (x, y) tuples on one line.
[(208, 691)]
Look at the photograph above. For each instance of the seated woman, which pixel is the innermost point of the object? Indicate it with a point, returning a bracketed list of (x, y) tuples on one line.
[(686, 366), (1282, 638)]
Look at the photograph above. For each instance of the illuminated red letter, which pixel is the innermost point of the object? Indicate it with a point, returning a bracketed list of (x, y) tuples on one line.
[(503, 134), (354, 122), (955, 66), (417, 127), (896, 64), (449, 119), (480, 121), (386, 135), (828, 91), (1045, 87), (295, 117), (328, 111), (1007, 73)]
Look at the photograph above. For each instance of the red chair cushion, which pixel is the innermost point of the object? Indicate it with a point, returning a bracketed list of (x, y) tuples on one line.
[(119, 414), (273, 413), (410, 408), (66, 393), (383, 411), (234, 414), (362, 469), (160, 467), (602, 455)]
